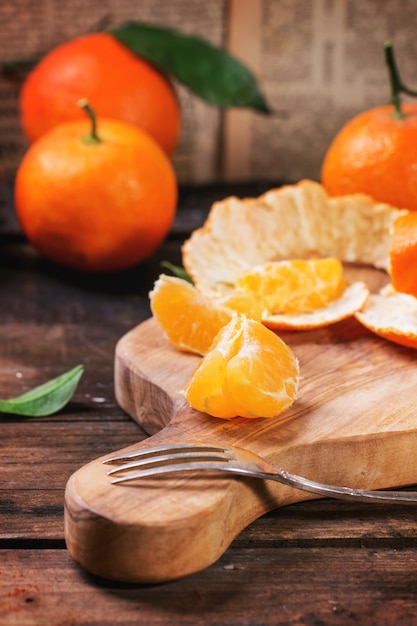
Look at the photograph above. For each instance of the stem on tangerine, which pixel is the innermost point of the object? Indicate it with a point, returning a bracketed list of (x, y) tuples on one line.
[(92, 137), (397, 86), (395, 80)]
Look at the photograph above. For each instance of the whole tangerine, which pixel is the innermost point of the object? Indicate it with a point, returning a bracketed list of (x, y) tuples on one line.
[(376, 152), (116, 82), (95, 200)]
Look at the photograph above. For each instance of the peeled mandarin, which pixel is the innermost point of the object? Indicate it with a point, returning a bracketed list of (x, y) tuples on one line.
[(248, 372)]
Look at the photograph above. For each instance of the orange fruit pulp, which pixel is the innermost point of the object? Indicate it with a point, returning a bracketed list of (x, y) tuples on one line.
[(376, 152), (116, 82), (249, 372), (190, 320), (295, 285), (403, 254), (96, 205)]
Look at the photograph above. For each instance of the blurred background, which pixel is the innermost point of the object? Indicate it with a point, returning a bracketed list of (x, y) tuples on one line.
[(318, 63)]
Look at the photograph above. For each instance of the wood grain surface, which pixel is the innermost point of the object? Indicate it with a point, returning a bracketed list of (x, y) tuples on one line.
[(353, 423), (314, 562)]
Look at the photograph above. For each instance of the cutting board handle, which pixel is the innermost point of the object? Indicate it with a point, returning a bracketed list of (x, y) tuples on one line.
[(159, 530), (354, 419)]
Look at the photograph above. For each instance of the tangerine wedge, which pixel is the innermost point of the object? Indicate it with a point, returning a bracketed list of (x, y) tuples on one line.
[(302, 294), (295, 285), (249, 372), (191, 320)]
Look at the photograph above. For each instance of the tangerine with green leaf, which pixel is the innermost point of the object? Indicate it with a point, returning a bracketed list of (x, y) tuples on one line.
[(116, 82), (96, 199)]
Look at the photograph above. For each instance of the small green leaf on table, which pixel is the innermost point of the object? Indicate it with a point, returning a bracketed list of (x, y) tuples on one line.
[(210, 72), (47, 398)]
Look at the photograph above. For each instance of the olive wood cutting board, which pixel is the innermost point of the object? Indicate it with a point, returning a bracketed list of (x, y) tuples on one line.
[(354, 423)]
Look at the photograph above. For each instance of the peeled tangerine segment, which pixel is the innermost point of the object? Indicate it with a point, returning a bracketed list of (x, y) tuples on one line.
[(189, 319), (353, 299), (294, 285), (391, 315), (248, 372), (299, 294)]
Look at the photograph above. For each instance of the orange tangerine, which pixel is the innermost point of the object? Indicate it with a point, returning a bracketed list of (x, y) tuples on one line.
[(189, 319), (95, 200), (375, 153), (249, 372), (118, 83), (403, 254)]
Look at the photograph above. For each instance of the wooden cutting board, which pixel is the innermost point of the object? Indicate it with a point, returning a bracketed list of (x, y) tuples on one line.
[(354, 423)]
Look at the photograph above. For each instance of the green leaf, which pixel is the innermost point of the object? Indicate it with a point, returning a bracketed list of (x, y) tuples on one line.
[(178, 271), (46, 399), (18, 65), (210, 72)]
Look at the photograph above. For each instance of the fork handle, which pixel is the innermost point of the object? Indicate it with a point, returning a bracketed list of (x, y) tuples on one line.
[(344, 493)]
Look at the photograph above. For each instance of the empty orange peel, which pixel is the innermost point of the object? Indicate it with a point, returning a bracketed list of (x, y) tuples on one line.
[(293, 222)]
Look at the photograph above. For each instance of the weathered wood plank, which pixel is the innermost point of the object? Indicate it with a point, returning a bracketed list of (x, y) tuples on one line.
[(318, 562), (56, 442), (332, 586), (333, 521), (37, 514)]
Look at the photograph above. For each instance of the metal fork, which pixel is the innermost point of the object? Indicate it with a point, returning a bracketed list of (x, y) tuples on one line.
[(201, 457)]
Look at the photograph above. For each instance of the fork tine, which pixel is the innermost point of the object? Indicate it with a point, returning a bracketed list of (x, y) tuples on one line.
[(152, 461), (171, 458), (190, 466), (169, 448)]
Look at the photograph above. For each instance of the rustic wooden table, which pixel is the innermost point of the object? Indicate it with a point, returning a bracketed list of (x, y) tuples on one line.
[(320, 562)]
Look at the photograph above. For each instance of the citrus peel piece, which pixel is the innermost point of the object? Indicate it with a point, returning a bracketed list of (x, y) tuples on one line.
[(352, 300), (293, 221), (391, 315)]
